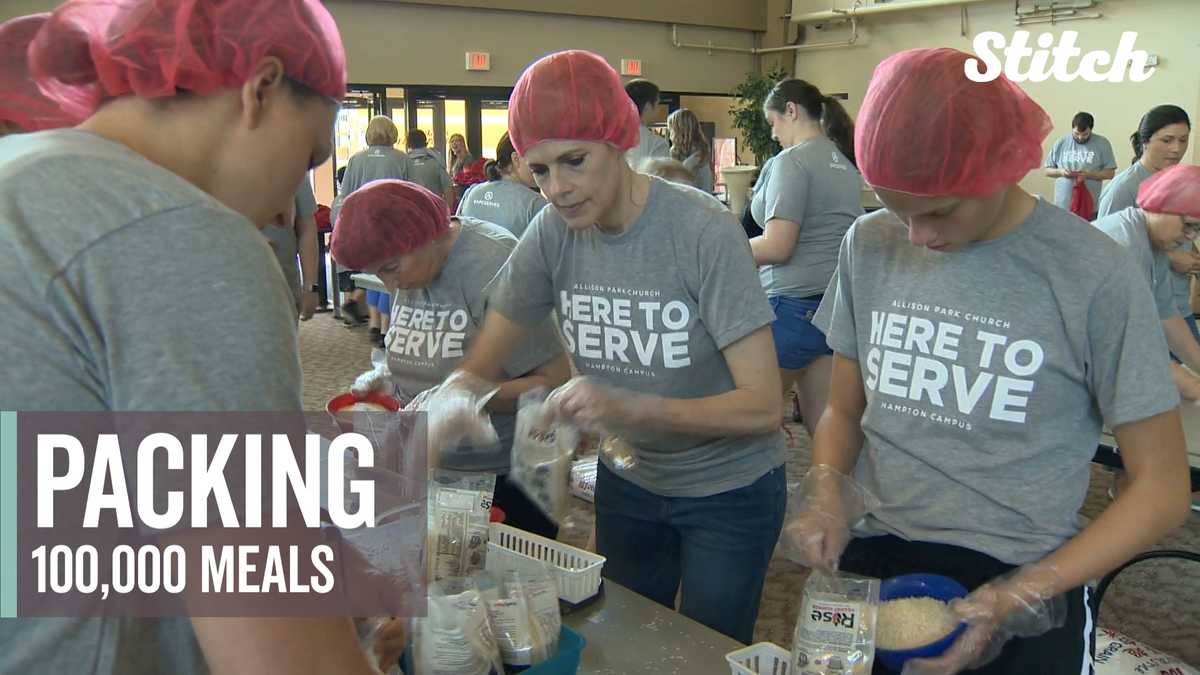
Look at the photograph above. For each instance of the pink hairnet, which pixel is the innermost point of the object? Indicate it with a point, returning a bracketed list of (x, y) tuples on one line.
[(925, 129), (1174, 190), (21, 101), (572, 95), (384, 219), (94, 50)]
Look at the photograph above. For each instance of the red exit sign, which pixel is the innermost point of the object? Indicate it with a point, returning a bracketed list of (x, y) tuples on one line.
[(631, 67), (479, 61)]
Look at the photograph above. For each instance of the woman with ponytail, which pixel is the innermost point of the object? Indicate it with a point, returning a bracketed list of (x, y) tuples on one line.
[(136, 279), (805, 199), (508, 198), (1161, 141)]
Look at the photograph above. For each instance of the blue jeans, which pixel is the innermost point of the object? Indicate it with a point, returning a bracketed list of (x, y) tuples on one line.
[(717, 547), (797, 341)]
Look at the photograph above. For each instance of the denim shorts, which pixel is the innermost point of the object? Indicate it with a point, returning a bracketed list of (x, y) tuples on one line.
[(797, 341), (380, 300)]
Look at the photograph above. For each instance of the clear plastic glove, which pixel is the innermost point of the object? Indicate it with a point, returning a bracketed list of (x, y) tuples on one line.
[(1021, 604), (378, 378), (455, 412), (817, 527), (594, 407)]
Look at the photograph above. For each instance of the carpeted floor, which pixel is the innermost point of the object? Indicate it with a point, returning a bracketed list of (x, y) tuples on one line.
[(1158, 602)]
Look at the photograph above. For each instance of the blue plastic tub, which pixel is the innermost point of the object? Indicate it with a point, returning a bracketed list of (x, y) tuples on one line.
[(566, 661), (919, 586)]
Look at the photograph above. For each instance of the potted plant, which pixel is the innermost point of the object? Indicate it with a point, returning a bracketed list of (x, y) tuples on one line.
[(748, 116)]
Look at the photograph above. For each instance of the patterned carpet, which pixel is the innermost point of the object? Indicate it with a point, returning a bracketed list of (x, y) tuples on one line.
[(1157, 602)]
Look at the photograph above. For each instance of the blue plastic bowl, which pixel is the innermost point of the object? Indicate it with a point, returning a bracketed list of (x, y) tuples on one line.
[(919, 586)]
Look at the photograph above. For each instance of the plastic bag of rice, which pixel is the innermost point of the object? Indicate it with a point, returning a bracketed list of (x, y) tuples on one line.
[(908, 623), (835, 632)]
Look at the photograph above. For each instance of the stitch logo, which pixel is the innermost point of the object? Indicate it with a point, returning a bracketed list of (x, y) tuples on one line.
[(990, 45)]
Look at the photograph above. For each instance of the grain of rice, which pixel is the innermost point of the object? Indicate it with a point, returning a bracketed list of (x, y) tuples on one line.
[(907, 623)]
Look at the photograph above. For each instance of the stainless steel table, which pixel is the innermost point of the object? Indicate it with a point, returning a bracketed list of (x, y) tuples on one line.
[(627, 634)]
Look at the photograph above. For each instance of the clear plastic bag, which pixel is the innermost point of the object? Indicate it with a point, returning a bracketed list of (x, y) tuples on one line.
[(541, 456), (456, 637), (523, 606), (460, 507), (835, 631)]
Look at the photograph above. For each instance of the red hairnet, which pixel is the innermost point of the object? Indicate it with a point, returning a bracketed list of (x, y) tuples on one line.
[(571, 96), (925, 129), (94, 50), (21, 101), (1174, 190), (384, 219)]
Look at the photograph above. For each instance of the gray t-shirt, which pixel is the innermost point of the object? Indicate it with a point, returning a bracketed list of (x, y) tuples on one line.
[(427, 169), (1128, 228), (284, 242), (433, 328), (507, 203), (702, 170), (127, 288), (1067, 153), (1122, 193), (377, 162), (649, 145), (649, 310), (813, 185), (988, 372)]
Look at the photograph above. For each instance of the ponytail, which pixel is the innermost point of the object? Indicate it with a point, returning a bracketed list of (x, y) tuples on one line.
[(1159, 116), (491, 170), (838, 126)]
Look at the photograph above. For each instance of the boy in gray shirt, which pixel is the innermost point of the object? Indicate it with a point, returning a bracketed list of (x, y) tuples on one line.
[(425, 167), (1081, 153)]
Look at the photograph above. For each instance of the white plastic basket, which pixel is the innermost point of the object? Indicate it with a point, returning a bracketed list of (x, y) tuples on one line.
[(578, 571), (764, 658)]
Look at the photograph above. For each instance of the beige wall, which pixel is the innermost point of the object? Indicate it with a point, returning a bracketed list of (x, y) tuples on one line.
[(722, 13), (408, 44), (393, 43), (1117, 106)]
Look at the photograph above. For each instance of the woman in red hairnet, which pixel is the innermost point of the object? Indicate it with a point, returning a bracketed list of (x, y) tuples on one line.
[(23, 108), (134, 275), (439, 270), (658, 301), (974, 367)]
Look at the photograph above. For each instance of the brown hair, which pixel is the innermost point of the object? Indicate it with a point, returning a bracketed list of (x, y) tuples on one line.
[(826, 110), (686, 135), (496, 168)]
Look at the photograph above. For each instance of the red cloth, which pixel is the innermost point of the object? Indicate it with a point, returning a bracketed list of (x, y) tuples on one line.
[(384, 219), (472, 173), (1082, 203), (925, 129), (571, 96), (21, 101), (91, 51), (324, 218)]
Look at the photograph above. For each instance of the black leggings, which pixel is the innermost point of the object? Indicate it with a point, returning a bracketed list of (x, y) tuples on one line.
[(1067, 650)]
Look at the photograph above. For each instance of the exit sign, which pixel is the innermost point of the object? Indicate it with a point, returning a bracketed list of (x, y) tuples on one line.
[(479, 61), (631, 67)]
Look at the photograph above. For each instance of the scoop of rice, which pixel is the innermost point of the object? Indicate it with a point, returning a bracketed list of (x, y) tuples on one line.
[(367, 406), (907, 623)]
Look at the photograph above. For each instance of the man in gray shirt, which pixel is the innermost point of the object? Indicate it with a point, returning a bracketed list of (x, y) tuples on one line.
[(294, 236), (644, 95), (427, 168), (1081, 154)]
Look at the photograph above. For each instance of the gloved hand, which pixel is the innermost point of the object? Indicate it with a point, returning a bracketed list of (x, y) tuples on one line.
[(378, 378), (817, 528), (455, 413), (594, 407), (1021, 604)]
